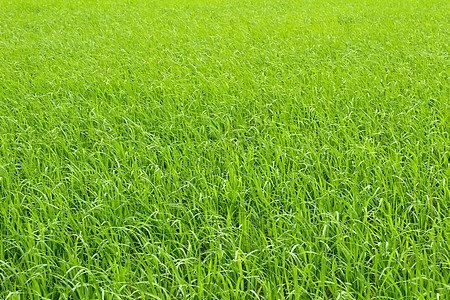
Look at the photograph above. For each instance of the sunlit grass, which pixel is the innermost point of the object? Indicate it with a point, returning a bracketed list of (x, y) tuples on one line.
[(224, 149)]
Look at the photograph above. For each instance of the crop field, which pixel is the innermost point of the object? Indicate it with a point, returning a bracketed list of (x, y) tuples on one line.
[(224, 149)]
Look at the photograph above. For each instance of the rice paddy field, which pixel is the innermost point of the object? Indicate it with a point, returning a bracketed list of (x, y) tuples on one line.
[(224, 149)]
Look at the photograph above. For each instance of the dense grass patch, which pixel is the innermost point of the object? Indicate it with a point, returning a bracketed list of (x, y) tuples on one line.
[(224, 149)]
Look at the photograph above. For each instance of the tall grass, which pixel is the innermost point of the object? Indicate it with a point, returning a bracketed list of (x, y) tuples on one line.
[(224, 149)]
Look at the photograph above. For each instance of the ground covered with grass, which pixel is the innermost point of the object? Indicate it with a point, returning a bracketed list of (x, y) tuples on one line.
[(224, 149)]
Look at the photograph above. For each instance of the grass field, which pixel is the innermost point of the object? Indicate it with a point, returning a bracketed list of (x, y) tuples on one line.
[(224, 149)]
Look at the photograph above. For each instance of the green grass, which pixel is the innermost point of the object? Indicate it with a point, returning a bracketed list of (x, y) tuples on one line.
[(224, 149)]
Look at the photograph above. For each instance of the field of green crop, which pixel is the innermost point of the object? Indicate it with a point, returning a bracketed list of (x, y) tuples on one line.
[(224, 149)]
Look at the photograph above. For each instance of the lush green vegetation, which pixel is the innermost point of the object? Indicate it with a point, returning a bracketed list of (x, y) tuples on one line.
[(224, 149)]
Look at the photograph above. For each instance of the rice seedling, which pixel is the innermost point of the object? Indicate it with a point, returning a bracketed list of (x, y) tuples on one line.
[(224, 149)]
